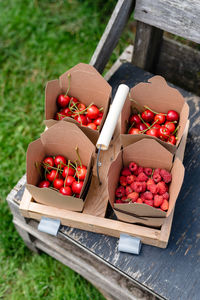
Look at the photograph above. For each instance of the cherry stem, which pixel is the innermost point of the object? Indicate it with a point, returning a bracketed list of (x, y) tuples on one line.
[(131, 126), (77, 152), (76, 170), (38, 169), (145, 106), (175, 131), (69, 79), (101, 108), (143, 121), (149, 127), (67, 173), (57, 171), (152, 173)]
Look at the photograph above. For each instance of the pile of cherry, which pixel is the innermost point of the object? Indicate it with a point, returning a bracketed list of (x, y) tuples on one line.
[(144, 185), (89, 116), (62, 175), (160, 125)]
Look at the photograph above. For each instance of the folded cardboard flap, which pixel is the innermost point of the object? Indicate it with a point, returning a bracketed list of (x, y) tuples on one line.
[(160, 97), (146, 153)]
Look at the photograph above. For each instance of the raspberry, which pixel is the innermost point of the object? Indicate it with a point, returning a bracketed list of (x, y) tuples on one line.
[(142, 197), (148, 202), (138, 171), (144, 187), (148, 196), (139, 200), (125, 172), (157, 171), (120, 192), (149, 182), (158, 200), (165, 205), (148, 171), (156, 177), (133, 166), (162, 188), (142, 177), (166, 176), (128, 190), (125, 199), (166, 196), (133, 196), (122, 180), (153, 188), (130, 179), (118, 201), (136, 186)]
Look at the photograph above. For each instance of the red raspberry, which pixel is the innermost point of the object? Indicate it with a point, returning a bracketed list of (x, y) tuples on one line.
[(136, 186), (142, 177), (128, 190), (149, 182), (133, 166), (148, 202), (157, 178), (167, 177), (144, 187), (148, 171), (120, 192), (125, 199), (148, 195), (166, 196), (162, 188), (142, 197), (158, 200), (138, 171), (130, 179), (165, 205), (153, 188), (118, 201), (125, 172), (122, 180), (139, 200), (133, 196), (157, 171)]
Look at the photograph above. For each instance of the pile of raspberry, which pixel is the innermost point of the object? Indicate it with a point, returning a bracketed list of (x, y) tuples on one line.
[(144, 185)]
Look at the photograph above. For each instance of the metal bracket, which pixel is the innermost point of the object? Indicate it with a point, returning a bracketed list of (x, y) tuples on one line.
[(50, 226), (129, 244)]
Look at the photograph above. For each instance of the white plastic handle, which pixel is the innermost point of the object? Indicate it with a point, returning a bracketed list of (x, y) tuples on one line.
[(112, 118)]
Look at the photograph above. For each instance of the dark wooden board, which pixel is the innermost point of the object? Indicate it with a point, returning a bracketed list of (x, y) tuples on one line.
[(171, 273)]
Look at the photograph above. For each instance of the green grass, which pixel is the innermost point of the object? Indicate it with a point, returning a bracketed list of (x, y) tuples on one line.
[(39, 40)]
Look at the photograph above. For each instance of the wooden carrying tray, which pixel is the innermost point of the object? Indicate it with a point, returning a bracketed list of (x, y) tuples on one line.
[(93, 216)]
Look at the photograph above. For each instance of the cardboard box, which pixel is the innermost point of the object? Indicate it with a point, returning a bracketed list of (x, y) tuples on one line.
[(160, 97), (60, 139), (88, 86), (146, 153)]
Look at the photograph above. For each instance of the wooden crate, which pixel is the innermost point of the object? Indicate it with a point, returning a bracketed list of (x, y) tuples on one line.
[(93, 216)]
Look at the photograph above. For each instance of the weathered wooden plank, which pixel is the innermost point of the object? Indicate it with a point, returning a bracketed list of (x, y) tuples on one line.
[(178, 17), (146, 46), (88, 265), (179, 64), (112, 34)]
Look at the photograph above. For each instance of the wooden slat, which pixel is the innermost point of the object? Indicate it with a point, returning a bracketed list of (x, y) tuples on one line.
[(112, 34), (146, 46), (178, 17)]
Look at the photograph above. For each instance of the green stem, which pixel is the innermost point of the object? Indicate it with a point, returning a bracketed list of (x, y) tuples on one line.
[(152, 173), (69, 79), (149, 127), (77, 153), (143, 121), (145, 106), (175, 130), (68, 172)]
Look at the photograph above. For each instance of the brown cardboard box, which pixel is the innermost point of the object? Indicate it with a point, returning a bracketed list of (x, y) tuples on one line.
[(60, 139), (160, 97), (88, 86), (146, 153)]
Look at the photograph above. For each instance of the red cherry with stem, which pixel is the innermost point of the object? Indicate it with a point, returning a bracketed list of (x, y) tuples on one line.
[(135, 119), (172, 115), (92, 126), (60, 161), (172, 140), (48, 162), (148, 115), (156, 126), (160, 118), (93, 112), (81, 119), (66, 191), (59, 116), (52, 175), (67, 112), (98, 121), (81, 172), (68, 171), (163, 133), (134, 131), (142, 126), (44, 184), (77, 187), (88, 119), (58, 183), (100, 114), (81, 106), (171, 126), (152, 132), (63, 100), (69, 180)]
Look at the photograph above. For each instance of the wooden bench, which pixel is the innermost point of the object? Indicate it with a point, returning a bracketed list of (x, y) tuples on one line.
[(172, 273)]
